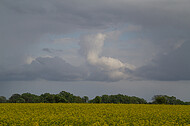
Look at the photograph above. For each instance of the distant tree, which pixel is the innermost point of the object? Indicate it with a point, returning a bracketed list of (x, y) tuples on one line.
[(14, 98), (141, 101), (170, 100), (97, 99), (47, 98), (60, 99), (3, 99), (164, 99), (179, 102), (20, 100), (68, 96), (37, 99), (136, 100), (105, 99), (31, 98), (187, 103), (159, 99), (85, 99), (113, 99), (133, 100), (122, 98), (77, 99), (119, 98)]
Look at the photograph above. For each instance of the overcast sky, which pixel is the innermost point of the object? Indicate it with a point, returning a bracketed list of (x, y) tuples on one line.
[(133, 47)]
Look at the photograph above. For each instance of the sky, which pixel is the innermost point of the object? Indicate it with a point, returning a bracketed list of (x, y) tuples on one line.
[(134, 47)]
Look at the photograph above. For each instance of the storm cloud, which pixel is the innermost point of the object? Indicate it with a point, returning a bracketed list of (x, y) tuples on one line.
[(47, 68), (158, 41), (168, 67)]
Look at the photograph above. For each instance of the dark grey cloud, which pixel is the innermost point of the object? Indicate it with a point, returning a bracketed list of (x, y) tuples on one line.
[(56, 69), (172, 66), (52, 50), (53, 69), (47, 50), (168, 67), (60, 16), (23, 23)]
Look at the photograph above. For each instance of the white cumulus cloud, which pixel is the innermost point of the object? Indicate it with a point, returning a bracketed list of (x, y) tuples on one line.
[(91, 48)]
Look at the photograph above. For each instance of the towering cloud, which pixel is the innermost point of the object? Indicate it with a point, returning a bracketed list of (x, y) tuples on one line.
[(112, 69), (173, 66), (27, 29)]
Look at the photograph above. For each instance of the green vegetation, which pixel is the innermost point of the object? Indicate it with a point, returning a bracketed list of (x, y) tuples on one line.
[(66, 97)]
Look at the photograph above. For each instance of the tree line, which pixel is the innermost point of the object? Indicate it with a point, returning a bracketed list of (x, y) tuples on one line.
[(66, 97)]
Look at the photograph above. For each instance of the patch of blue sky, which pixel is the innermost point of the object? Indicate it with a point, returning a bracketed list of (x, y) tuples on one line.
[(48, 42), (110, 29), (128, 36), (59, 46), (107, 43), (70, 35), (127, 40)]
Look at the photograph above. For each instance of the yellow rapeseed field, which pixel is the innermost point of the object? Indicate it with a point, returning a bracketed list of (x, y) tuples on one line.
[(44, 114)]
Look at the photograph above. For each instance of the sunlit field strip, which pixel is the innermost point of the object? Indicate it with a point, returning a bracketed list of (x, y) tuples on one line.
[(92, 114)]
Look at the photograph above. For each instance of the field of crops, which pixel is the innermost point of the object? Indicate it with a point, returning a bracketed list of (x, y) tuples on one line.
[(93, 114)]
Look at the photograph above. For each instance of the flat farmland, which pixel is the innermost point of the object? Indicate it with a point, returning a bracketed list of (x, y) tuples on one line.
[(44, 114)]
